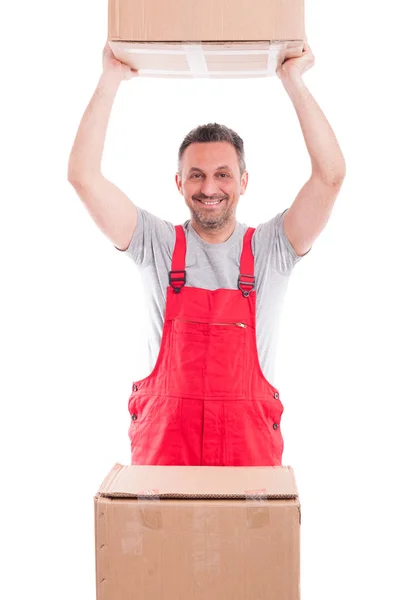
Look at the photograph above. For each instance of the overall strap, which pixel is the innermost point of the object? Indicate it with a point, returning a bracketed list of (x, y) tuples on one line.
[(178, 275), (246, 279)]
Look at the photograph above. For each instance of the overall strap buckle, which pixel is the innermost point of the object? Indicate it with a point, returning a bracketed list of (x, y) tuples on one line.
[(177, 279), (246, 281)]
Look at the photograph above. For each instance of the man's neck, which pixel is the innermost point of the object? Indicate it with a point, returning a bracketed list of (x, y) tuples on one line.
[(218, 236)]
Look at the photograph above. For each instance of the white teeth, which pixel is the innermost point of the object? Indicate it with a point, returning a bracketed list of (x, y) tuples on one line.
[(218, 202)]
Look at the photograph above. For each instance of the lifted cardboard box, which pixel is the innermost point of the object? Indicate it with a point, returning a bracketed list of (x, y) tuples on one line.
[(206, 38), (197, 533)]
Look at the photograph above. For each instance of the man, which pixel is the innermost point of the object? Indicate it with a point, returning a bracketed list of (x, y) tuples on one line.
[(215, 286)]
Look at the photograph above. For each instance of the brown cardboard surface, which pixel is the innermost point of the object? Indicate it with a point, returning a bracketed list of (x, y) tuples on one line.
[(206, 544), (194, 482), (210, 38), (205, 20)]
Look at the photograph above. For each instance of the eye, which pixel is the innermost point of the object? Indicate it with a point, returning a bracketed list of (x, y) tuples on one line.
[(226, 175)]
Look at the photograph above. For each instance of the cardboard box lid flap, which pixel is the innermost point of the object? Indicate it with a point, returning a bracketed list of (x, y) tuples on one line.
[(199, 482)]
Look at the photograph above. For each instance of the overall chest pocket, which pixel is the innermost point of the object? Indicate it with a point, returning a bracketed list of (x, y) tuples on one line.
[(208, 359)]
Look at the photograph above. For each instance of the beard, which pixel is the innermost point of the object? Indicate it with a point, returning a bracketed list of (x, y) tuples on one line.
[(204, 217)]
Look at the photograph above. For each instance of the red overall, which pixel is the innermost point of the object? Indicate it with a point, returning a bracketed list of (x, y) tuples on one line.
[(207, 401)]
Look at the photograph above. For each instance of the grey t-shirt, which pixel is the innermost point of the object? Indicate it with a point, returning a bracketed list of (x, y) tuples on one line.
[(214, 266)]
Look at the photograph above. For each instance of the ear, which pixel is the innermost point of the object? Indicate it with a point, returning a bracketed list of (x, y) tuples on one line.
[(243, 182), (178, 182)]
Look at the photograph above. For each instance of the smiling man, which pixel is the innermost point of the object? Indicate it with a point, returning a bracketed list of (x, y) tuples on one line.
[(215, 287)]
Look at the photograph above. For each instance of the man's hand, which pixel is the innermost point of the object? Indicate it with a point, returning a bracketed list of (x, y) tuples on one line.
[(110, 62), (296, 67)]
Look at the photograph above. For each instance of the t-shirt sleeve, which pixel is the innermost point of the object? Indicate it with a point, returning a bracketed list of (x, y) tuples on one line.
[(150, 233), (271, 237)]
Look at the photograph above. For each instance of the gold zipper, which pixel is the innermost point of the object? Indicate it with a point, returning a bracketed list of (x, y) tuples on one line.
[(243, 325)]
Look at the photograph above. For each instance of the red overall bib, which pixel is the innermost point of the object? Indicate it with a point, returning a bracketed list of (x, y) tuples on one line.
[(207, 401)]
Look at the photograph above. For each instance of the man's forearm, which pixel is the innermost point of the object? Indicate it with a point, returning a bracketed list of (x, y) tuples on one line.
[(325, 153), (86, 155)]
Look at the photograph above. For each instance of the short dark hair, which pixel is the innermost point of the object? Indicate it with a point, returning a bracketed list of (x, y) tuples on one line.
[(214, 132)]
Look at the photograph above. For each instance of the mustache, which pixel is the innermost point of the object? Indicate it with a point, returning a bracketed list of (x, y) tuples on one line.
[(209, 198)]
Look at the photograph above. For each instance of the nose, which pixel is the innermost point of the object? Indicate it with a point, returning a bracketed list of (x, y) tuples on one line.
[(210, 188)]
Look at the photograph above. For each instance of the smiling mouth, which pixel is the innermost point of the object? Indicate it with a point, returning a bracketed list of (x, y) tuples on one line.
[(210, 202)]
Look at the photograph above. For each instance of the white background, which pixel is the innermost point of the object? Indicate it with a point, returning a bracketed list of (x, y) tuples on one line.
[(73, 332)]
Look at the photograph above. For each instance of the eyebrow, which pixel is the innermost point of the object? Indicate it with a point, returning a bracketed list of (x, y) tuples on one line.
[(226, 167)]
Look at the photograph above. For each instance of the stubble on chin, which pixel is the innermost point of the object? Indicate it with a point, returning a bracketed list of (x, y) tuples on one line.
[(211, 223)]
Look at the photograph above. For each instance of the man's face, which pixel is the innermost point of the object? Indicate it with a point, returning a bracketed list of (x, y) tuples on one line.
[(211, 183)]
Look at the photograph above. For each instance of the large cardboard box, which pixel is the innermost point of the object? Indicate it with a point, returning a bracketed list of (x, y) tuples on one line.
[(206, 38), (197, 533)]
